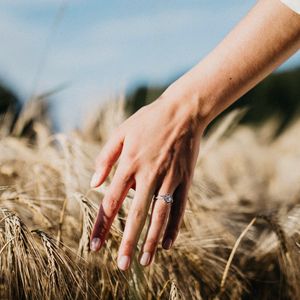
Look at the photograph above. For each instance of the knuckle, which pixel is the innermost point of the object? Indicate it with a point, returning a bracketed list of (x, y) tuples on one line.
[(103, 159), (127, 246), (130, 154), (116, 135), (161, 214), (152, 175), (184, 174), (138, 214), (150, 244), (125, 175), (110, 205), (129, 159), (146, 176)]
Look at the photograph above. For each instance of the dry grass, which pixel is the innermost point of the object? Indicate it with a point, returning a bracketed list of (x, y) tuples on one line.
[(47, 212)]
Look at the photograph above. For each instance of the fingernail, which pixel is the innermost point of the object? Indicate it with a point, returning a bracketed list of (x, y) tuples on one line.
[(95, 244), (167, 244), (95, 179), (123, 262), (145, 259)]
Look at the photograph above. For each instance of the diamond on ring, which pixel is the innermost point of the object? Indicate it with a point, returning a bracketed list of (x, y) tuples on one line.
[(168, 198)]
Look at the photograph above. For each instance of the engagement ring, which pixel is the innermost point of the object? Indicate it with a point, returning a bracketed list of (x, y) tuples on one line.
[(168, 198)]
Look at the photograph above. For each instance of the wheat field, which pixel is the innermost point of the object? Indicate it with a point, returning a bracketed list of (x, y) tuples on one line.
[(240, 238)]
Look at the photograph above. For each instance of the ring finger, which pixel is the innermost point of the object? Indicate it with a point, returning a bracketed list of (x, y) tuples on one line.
[(159, 217)]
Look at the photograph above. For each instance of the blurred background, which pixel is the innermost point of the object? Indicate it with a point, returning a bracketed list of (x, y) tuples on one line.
[(84, 53)]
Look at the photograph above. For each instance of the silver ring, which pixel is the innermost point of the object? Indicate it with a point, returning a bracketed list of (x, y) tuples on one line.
[(168, 198)]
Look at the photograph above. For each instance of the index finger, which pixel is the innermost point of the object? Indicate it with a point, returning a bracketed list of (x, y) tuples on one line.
[(113, 199)]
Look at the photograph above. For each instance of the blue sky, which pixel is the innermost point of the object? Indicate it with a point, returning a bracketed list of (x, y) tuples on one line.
[(102, 48)]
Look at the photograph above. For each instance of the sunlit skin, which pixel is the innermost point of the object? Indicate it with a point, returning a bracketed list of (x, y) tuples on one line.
[(157, 147)]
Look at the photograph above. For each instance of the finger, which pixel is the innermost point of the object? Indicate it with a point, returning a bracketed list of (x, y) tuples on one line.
[(135, 221), (176, 215), (159, 217), (106, 159), (113, 199)]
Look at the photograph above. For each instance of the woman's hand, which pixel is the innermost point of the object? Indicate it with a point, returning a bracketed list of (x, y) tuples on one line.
[(158, 146), (157, 149)]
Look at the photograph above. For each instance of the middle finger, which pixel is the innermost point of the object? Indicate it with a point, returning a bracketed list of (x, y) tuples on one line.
[(135, 221), (159, 217)]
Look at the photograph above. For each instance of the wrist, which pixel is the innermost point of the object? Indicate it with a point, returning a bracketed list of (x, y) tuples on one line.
[(193, 101), (182, 107)]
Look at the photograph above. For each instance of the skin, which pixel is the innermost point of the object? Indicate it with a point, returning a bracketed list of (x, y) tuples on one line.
[(157, 147)]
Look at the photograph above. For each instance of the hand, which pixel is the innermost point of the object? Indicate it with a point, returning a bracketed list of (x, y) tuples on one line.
[(157, 149), (159, 144)]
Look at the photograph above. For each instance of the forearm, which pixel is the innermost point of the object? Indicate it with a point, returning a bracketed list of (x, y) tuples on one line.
[(264, 39)]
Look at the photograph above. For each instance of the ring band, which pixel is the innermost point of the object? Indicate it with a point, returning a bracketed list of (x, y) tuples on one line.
[(168, 198)]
